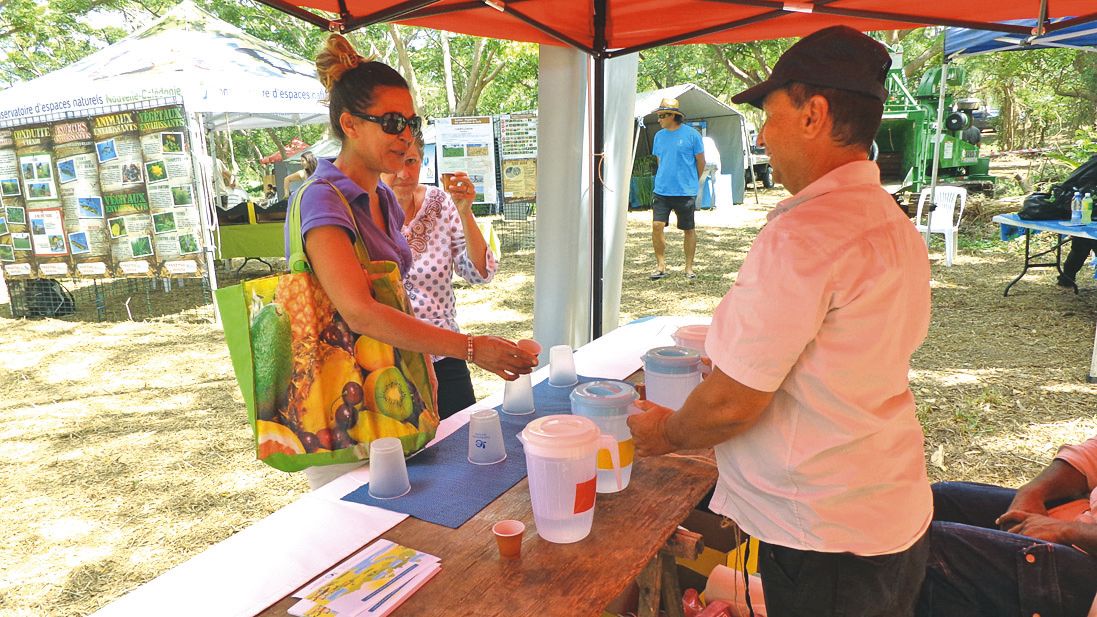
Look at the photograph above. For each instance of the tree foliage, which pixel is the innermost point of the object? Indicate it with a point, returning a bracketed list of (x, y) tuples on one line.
[(1043, 95)]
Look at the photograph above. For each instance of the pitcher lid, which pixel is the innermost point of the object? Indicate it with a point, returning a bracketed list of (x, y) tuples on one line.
[(560, 431), (605, 393), (672, 359)]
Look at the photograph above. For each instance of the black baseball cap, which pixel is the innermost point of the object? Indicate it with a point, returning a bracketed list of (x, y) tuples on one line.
[(835, 57)]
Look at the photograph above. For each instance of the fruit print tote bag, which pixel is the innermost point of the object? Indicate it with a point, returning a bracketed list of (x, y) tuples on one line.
[(317, 393)]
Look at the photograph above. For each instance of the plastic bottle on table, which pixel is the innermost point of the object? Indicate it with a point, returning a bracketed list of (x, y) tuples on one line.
[(1076, 209), (1087, 209)]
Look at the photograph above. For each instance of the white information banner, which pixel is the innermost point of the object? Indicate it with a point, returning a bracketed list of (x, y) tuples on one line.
[(468, 144)]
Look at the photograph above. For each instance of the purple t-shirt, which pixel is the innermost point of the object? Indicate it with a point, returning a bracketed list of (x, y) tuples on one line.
[(320, 206)]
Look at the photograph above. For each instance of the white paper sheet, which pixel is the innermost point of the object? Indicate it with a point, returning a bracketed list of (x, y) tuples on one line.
[(260, 565)]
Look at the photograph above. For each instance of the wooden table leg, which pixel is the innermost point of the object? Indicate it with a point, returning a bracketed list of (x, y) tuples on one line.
[(658, 582), (650, 582)]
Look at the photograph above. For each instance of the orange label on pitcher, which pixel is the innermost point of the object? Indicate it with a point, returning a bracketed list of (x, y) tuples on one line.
[(584, 495), (627, 449)]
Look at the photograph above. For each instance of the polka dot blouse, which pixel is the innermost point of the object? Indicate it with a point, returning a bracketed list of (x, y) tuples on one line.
[(438, 249)]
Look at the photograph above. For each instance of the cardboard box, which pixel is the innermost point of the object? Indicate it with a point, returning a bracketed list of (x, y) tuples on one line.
[(721, 548)]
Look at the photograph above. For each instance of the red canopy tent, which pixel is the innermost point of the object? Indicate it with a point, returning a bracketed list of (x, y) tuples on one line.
[(295, 146), (614, 27), (610, 28)]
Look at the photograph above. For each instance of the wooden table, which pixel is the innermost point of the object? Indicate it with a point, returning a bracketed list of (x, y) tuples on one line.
[(565, 580)]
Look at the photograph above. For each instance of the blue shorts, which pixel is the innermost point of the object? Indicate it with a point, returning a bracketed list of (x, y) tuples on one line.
[(682, 207)]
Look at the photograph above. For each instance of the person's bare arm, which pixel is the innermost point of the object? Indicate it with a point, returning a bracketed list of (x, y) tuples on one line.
[(1059, 480), (331, 255), (700, 164), (717, 409), (291, 178), (462, 192)]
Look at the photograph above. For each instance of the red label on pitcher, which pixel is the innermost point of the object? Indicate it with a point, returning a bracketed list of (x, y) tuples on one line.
[(584, 495)]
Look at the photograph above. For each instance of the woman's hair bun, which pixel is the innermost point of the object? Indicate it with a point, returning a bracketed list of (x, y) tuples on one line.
[(337, 57)]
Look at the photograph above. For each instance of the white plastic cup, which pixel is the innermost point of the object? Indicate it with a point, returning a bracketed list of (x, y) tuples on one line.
[(388, 471), (562, 366), (609, 404), (518, 397), (670, 374), (560, 459), (486, 445)]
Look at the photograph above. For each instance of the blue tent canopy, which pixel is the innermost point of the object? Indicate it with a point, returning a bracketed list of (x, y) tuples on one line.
[(967, 42)]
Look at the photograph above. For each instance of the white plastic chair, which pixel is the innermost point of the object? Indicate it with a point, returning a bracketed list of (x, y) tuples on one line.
[(945, 218)]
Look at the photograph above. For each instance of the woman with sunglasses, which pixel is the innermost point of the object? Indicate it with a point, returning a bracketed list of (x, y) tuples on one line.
[(444, 239), (372, 114)]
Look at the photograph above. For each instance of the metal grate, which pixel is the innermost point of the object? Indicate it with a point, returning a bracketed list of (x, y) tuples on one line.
[(123, 299)]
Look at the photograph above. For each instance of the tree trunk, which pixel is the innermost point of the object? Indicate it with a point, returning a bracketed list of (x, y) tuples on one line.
[(447, 70), (480, 74), (404, 60), (1007, 116), (277, 141)]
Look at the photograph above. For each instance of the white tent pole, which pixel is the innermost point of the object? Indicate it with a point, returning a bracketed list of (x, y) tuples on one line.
[(750, 157), (937, 146), (206, 215)]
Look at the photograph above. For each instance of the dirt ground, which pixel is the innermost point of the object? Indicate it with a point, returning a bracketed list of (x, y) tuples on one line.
[(126, 449)]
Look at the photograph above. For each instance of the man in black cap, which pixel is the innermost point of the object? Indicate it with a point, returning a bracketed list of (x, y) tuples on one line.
[(808, 406)]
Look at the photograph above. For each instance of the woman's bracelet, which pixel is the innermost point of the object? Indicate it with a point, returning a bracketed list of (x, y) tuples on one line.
[(470, 351)]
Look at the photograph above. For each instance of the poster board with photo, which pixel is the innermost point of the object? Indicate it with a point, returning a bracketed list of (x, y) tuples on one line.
[(518, 146), (16, 254), (81, 199), (169, 174), (34, 150), (468, 144), (126, 208)]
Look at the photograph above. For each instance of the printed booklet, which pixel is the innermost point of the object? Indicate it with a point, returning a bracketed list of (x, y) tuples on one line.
[(370, 583)]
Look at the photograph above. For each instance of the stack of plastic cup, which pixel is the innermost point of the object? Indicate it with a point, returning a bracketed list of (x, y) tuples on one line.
[(486, 445), (518, 397), (562, 366), (388, 472)]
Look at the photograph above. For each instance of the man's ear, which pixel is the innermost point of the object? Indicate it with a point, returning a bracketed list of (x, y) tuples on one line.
[(815, 117)]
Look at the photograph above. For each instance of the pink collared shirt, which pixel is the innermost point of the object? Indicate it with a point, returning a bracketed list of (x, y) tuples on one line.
[(1082, 457), (829, 306)]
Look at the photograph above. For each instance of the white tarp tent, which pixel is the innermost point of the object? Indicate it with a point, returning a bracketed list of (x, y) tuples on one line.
[(725, 126), (230, 77), (225, 79)]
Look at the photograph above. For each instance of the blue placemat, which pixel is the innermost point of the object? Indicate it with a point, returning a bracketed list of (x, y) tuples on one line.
[(447, 489)]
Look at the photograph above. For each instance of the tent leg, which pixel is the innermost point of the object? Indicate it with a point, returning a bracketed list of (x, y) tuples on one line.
[(597, 232), (937, 147)]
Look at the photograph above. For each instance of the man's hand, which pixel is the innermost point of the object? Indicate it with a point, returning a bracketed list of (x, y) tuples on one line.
[(1024, 502), (649, 429), (1036, 526)]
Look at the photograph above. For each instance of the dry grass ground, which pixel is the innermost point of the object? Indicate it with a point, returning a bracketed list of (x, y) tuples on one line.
[(125, 449)]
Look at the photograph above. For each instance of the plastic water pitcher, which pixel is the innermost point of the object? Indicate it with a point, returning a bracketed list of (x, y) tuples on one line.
[(608, 404), (560, 460), (693, 337), (670, 374)]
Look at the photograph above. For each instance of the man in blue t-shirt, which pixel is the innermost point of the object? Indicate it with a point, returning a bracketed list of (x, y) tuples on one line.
[(681, 157)]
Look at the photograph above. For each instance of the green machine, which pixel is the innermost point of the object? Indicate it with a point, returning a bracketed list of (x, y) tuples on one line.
[(907, 132)]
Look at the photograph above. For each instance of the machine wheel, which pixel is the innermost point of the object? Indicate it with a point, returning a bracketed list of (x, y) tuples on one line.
[(766, 176)]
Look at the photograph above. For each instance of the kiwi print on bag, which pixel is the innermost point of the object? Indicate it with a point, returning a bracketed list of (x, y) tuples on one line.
[(323, 392)]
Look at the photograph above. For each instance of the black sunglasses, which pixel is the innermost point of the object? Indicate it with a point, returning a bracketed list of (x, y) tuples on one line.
[(392, 122)]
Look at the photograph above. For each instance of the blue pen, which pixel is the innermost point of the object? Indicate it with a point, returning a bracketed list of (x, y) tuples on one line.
[(394, 579), (391, 593)]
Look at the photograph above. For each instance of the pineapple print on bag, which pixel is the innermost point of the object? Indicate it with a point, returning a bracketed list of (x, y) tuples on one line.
[(322, 392)]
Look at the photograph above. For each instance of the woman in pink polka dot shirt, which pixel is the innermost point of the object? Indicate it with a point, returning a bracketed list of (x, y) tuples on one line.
[(442, 233)]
